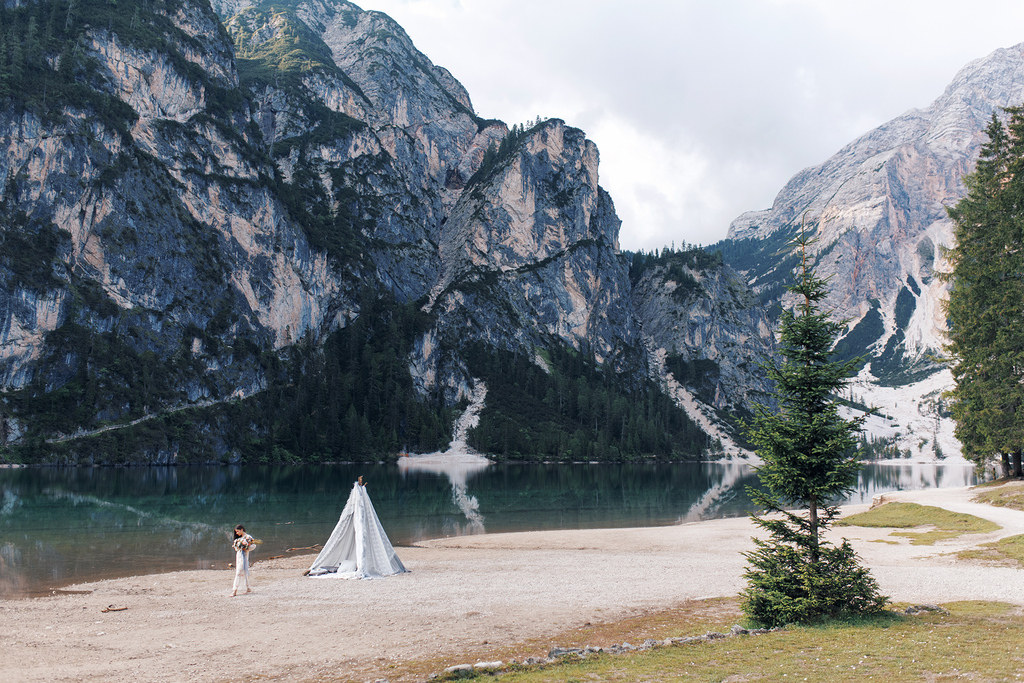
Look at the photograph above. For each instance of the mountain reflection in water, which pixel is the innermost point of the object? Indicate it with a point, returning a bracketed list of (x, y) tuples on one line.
[(458, 469), (60, 526)]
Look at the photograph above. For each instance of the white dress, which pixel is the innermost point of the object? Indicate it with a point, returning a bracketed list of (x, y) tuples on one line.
[(242, 544)]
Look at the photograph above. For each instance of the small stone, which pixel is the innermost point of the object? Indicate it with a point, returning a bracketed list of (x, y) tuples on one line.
[(487, 666), (918, 609), (459, 667), (738, 630)]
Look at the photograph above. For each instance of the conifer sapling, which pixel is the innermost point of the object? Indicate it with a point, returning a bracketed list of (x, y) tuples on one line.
[(810, 458)]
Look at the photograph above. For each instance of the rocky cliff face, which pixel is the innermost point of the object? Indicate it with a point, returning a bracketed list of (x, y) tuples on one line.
[(158, 203), (878, 206), (538, 231), (193, 194), (414, 137), (710, 322), (877, 209)]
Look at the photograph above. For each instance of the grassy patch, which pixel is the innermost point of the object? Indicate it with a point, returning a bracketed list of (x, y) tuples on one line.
[(691, 618), (926, 537), (1006, 495), (1008, 551), (930, 646), (946, 524)]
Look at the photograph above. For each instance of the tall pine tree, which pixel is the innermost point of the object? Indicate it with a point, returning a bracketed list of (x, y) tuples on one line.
[(986, 303), (809, 459)]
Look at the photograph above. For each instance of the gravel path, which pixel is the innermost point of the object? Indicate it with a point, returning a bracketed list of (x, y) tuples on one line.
[(463, 599)]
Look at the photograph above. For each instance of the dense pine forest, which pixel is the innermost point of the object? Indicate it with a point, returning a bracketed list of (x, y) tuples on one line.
[(571, 409)]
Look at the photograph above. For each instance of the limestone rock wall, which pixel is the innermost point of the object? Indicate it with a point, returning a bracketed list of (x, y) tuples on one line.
[(718, 322), (878, 206)]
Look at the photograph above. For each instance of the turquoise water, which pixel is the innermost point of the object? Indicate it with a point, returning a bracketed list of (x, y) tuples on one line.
[(60, 526)]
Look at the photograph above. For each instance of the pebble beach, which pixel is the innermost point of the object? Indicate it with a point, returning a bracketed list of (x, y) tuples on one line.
[(464, 599)]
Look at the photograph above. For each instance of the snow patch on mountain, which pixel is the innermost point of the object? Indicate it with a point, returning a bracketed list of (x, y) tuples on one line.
[(911, 417)]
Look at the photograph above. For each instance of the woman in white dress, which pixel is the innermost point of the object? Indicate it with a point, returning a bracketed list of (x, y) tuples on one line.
[(242, 543)]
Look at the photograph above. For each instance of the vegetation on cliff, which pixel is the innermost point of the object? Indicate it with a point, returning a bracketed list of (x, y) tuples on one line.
[(45, 66), (565, 407), (677, 265), (350, 398)]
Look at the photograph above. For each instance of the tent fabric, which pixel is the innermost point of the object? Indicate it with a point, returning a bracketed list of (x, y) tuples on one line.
[(358, 547)]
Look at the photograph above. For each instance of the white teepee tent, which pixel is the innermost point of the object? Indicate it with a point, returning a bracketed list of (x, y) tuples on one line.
[(358, 547)]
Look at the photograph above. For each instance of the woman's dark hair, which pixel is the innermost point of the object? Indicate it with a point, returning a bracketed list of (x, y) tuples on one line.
[(239, 530)]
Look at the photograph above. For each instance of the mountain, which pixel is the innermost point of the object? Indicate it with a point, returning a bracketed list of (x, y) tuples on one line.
[(877, 209), (276, 231), (703, 325), (261, 231)]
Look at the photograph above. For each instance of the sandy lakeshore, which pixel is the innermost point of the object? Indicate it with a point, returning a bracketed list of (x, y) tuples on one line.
[(463, 599)]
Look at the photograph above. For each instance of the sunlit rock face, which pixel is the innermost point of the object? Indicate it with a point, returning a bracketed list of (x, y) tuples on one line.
[(877, 208), (877, 212), (540, 233)]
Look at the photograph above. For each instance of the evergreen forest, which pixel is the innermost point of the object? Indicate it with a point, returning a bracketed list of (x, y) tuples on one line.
[(986, 303), (574, 410)]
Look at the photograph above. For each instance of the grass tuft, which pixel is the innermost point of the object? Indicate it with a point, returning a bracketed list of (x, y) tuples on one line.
[(1008, 494), (1007, 551), (947, 524)]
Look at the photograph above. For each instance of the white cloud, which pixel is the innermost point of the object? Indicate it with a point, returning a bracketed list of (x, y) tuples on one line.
[(704, 110), (655, 182)]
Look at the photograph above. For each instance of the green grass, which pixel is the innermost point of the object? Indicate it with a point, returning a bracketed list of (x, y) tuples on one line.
[(1005, 494), (1008, 551), (947, 524), (973, 641)]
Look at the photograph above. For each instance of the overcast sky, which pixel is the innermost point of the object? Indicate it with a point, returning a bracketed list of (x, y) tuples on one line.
[(703, 109)]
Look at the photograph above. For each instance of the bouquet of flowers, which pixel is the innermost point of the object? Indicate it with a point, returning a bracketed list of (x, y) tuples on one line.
[(245, 543)]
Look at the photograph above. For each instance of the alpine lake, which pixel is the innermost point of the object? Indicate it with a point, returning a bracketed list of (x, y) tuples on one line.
[(61, 526)]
